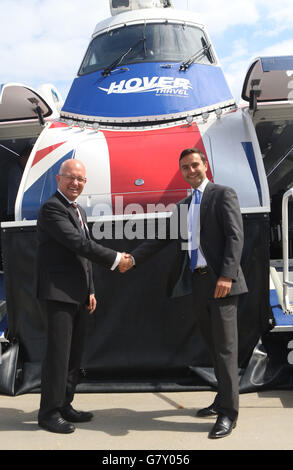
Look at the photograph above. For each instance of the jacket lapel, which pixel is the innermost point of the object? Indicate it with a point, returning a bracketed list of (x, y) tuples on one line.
[(205, 202), (74, 217), (83, 216), (206, 198), (71, 211)]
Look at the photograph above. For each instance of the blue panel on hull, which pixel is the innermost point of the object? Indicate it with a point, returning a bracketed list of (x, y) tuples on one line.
[(147, 90), (41, 190), (248, 148)]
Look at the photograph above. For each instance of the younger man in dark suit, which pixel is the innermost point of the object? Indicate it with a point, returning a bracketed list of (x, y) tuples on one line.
[(215, 242)]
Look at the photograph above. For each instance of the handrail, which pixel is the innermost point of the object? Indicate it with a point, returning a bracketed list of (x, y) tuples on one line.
[(280, 161), (286, 283)]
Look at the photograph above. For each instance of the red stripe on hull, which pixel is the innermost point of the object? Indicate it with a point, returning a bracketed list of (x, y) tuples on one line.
[(152, 156), (42, 153), (57, 124)]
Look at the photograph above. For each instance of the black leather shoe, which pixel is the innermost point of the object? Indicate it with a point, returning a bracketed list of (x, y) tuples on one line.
[(74, 416), (207, 412), (57, 424), (223, 427)]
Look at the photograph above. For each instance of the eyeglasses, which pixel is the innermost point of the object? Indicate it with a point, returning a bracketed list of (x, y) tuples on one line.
[(73, 178)]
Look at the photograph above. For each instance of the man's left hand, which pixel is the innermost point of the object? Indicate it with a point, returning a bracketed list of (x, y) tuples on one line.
[(92, 304), (223, 287)]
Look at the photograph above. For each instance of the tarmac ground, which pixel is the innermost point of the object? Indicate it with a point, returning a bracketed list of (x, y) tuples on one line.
[(151, 422)]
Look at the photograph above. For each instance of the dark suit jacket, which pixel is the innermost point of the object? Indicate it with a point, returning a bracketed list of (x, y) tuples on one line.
[(221, 240), (64, 255)]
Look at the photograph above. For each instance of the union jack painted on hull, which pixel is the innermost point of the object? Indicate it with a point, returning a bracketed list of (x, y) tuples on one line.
[(119, 163), (141, 166)]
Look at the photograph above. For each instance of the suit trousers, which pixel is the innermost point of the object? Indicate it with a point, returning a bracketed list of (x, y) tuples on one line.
[(66, 329), (217, 320)]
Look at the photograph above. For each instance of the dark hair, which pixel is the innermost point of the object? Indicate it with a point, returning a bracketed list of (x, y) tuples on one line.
[(193, 150)]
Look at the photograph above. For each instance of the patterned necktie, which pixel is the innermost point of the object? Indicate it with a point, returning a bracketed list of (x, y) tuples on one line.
[(195, 229), (74, 205)]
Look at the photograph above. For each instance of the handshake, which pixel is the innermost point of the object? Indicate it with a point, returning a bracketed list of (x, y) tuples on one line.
[(126, 262)]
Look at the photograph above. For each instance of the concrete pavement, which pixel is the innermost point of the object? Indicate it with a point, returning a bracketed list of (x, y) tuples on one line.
[(151, 421)]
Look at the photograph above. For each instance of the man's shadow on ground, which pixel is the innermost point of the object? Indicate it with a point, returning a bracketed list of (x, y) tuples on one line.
[(116, 421)]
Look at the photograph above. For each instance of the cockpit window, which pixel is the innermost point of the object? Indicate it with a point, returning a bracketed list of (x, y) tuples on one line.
[(154, 42)]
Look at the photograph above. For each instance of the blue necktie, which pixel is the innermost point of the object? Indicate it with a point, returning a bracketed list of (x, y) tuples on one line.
[(194, 252)]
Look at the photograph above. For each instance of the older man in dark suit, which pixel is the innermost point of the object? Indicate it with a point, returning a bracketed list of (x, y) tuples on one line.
[(65, 290), (209, 262)]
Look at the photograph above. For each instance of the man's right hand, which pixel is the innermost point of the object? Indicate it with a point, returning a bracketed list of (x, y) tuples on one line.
[(223, 287)]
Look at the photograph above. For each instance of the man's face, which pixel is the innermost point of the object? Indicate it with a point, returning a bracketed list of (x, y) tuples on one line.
[(193, 169), (71, 180)]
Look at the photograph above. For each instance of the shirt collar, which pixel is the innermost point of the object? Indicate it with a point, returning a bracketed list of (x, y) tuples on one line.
[(203, 185), (63, 195)]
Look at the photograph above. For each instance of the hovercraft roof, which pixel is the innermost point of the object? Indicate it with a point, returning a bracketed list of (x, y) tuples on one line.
[(148, 15)]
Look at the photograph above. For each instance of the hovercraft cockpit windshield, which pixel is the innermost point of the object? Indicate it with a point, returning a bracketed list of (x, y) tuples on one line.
[(154, 42)]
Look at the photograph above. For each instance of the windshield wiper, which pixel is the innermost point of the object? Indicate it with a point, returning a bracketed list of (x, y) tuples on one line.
[(203, 51), (118, 61)]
